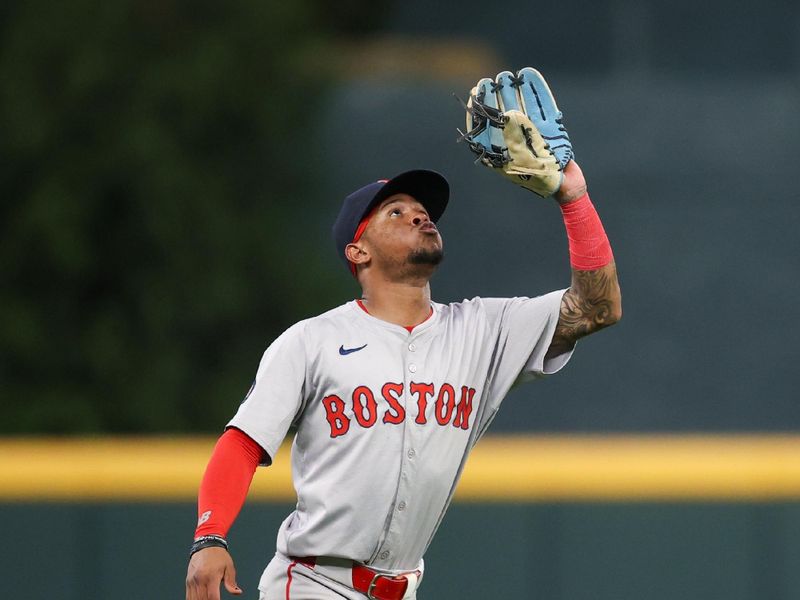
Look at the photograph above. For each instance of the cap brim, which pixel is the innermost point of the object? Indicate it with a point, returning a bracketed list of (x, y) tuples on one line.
[(427, 187)]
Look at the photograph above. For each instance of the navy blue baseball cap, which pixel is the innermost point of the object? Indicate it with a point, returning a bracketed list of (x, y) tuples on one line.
[(429, 188)]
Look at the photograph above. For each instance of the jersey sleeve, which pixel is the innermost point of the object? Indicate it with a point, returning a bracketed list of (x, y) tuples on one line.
[(276, 397), (523, 329)]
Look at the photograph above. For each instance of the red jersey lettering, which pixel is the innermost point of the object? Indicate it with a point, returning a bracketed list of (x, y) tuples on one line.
[(364, 402), (423, 391), (445, 403), (334, 409), (396, 414), (464, 408)]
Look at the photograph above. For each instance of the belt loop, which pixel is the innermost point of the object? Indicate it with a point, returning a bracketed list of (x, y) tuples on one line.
[(413, 582)]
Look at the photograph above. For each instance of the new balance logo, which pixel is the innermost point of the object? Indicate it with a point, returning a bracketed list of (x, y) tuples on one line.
[(345, 351)]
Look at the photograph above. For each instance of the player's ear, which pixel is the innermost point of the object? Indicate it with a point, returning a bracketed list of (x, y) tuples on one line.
[(356, 253)]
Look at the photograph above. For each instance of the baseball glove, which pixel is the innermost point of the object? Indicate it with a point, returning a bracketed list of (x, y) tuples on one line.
[(516, 129)]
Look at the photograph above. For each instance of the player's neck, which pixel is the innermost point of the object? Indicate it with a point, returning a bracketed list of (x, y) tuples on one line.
[(398, 303)]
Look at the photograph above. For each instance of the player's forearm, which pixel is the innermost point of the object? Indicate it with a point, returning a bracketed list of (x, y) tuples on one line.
[(593, 300), (226, 481)]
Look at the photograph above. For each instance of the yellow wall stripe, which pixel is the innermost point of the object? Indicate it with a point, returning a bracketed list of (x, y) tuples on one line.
[(502, 468)]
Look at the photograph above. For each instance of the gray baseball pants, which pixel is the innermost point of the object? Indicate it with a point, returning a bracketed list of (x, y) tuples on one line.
[(285, 579)]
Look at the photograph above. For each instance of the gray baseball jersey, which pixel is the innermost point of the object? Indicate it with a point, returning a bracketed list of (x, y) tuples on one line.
[(385, 417)]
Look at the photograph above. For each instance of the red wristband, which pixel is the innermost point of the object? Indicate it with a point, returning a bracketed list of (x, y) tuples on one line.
[(589, 248), (226, 481)]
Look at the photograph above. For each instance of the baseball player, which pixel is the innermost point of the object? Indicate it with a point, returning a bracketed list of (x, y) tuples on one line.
[(389, 393)]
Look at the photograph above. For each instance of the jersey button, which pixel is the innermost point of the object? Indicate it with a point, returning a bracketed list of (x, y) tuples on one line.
[(411, 453), (401, 506), (412, 347), (384, 555), (412, 367)]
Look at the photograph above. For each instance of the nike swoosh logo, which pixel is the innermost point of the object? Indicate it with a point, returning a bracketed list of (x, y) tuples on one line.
[(345, 351)]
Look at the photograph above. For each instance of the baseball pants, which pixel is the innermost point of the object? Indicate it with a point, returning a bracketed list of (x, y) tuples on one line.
[(285, 579)]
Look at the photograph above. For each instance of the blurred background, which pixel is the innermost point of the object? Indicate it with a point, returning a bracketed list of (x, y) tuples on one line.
[(169, 172)]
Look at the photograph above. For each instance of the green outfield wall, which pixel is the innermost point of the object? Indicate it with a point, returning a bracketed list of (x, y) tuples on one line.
[(547, 551), (540, 517)]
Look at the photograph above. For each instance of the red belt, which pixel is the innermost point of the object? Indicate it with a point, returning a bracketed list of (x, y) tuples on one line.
[(373, 584)]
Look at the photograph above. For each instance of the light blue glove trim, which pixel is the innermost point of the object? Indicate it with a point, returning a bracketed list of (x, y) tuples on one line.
[(540, 106), (487, 97), (508, 91)]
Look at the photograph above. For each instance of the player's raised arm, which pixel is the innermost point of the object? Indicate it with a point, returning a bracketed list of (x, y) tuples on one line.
[(593, 300), (516, 129)]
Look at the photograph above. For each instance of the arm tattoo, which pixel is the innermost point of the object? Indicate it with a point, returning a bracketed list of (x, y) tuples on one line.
[(592, 302)]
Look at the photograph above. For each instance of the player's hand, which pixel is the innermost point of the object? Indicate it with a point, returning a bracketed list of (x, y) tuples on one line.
[(207, 569), (573, 186)]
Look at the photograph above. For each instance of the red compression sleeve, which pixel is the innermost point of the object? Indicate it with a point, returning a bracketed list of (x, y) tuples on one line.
[(226, 481), (589, 248)]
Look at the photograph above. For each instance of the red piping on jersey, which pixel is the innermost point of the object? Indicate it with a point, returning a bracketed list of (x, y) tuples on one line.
[(410, 328), (289, 580)]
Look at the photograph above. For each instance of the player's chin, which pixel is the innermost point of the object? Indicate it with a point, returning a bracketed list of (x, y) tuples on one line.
[(426, 256)]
